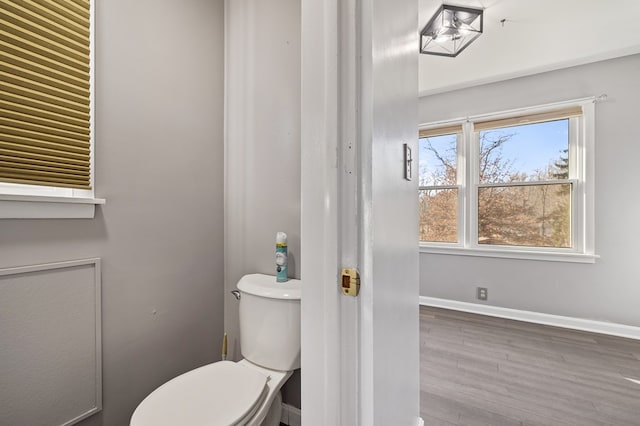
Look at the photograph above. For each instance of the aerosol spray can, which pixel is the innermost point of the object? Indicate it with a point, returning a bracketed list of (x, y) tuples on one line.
[(281, 257)]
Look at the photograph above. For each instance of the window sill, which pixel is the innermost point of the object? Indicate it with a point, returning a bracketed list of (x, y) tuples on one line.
[(46, 207), (512, 254)]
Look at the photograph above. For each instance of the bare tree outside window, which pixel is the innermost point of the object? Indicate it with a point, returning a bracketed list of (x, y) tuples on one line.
[(438, 197), (523, 191)]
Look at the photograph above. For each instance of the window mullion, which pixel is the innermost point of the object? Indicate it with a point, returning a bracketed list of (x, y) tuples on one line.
[(437, 187), (470, 182), (527, 183)]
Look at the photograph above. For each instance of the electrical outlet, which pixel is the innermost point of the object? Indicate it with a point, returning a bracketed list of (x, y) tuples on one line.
[(482, 293)]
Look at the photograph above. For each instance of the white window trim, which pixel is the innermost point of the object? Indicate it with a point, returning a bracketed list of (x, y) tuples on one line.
[(583, 173), (18, 201)]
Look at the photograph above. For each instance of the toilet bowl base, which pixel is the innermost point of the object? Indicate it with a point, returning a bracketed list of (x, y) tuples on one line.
[(272, 405), (275, 412)]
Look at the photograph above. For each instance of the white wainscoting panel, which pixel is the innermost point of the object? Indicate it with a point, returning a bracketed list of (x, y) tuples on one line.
[(50, 343)]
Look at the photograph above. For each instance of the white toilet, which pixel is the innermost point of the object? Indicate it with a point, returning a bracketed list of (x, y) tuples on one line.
[(227, 393)]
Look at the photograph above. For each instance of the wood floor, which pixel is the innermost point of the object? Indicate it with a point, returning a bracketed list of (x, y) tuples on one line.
[(478, 370)]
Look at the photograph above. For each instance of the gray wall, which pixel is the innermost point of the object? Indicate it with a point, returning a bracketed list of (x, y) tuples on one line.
[(262, 147), (608, 290), (159, 153)]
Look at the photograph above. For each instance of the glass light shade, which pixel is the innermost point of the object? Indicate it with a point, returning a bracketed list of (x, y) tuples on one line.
[(451, 30)]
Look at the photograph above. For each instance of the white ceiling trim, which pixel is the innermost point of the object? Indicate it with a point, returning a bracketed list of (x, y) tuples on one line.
[(535, 70)]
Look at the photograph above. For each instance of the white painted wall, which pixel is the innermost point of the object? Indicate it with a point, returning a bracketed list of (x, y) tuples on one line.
[(607, 290), (262, 145), (159, 152)]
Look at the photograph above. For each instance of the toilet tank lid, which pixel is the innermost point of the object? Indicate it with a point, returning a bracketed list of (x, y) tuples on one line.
[(266, 286)]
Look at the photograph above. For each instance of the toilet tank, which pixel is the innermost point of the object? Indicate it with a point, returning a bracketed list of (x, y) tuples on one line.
[(270, 321)]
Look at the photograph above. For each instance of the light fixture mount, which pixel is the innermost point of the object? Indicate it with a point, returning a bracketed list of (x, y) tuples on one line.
[(451, 30)]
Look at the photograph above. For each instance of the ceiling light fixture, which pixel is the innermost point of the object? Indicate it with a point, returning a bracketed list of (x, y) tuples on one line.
[(450, 30)]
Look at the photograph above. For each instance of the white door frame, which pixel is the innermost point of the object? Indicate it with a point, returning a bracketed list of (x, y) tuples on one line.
[(321, 313), (346, 362)]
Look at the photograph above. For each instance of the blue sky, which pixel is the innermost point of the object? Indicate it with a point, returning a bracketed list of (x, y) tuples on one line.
[(445, 145), (532, 146)]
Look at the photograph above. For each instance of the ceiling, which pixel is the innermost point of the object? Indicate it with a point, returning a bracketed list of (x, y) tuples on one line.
[(537, 36)]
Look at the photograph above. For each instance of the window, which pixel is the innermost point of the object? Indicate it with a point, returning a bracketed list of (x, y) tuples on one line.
[(439, 185), (45, 98), (514, 184)]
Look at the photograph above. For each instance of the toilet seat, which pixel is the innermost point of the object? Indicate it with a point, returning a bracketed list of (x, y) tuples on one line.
[(220, 394)]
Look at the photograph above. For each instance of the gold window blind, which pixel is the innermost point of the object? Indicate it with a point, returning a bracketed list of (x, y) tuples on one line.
[(45, 93), (440, 131), (558, 114)]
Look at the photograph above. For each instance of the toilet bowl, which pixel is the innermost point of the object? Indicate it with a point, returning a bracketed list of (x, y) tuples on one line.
[(220, 394), (247, 392)]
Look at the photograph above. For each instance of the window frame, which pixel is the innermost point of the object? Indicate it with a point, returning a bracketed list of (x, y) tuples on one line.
[(581, 169), (459, 186), (23, 201)]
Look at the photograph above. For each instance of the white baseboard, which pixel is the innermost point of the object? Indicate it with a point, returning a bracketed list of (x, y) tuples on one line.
[(291, 415), (602, 327)]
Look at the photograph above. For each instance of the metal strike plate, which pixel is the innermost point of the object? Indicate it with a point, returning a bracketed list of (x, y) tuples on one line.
[(408, 162), (350, 283)]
